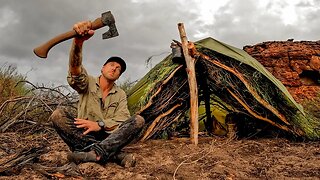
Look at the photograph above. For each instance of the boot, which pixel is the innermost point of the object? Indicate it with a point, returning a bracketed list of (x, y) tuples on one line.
[(125, 160), (121, 137), (82, 157)]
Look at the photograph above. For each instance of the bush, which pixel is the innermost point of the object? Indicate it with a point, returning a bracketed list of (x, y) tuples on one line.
[(9, 82), (25, 107)]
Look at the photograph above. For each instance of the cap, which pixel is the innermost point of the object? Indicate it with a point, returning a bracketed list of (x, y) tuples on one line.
[(118, 60)]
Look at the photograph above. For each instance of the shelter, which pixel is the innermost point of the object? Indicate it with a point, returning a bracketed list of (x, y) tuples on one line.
[(234, 88)]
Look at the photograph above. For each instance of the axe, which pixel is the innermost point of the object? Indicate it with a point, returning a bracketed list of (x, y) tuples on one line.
[(106, 19)]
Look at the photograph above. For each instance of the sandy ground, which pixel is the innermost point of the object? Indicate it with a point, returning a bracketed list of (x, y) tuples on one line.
[(213, 158)]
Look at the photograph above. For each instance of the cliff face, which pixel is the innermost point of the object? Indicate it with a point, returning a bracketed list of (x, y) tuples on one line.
[(295, 63)]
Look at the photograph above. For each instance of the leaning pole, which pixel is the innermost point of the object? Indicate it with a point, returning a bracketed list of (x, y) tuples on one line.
[(190, 62)]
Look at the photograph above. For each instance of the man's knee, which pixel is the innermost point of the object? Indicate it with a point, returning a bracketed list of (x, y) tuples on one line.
[(139, 121), (56, 116)]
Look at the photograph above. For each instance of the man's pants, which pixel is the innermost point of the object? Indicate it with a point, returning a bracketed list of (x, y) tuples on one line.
[(105, 145)]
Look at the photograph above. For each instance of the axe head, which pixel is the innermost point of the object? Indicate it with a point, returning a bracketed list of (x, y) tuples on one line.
[(108, 20)]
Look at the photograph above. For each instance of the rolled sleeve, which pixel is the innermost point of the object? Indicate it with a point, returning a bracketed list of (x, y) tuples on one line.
[(79, 83)]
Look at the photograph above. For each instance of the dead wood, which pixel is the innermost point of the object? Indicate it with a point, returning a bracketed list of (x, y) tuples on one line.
[(32, 110), (193, 86), (69, 169), (148, 133), (19, 160), (159, 89)]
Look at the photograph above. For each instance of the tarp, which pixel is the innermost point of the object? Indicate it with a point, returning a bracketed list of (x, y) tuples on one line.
[(244, 57), (256, 91)]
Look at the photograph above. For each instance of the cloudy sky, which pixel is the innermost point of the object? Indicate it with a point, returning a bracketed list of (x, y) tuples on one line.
[(146, 29)]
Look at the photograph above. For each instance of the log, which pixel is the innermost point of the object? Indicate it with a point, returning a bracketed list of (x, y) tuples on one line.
[(190, 62)]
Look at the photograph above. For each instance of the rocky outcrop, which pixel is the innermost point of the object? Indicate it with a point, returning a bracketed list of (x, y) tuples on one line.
[(295, 63)]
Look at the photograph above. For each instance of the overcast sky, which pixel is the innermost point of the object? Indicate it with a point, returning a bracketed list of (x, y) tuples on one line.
[(146, 28)]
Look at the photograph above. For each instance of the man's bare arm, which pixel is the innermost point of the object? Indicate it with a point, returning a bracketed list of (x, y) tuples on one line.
[(75, 58), (84, 32)]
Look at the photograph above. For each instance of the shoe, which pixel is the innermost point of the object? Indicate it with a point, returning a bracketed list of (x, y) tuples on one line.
[(82, 157), (125, 160)]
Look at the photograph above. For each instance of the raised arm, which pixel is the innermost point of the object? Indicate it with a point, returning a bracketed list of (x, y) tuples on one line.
[(84, 31)]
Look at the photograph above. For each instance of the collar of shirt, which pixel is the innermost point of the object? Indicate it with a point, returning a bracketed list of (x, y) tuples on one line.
[(113, 90)]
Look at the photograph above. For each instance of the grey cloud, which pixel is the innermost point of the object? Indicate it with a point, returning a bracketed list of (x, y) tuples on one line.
[(146, 28), (241, 23)]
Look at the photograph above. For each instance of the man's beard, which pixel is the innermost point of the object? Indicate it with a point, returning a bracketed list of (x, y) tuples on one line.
[(109, 77)]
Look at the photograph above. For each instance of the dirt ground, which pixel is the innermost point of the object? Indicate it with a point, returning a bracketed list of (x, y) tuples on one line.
[(213, 158)]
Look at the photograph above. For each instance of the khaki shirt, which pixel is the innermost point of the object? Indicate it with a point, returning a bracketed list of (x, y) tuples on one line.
[(113, 111)]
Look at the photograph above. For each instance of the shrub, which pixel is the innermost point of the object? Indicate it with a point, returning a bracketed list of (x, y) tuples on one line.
[(9, 82)]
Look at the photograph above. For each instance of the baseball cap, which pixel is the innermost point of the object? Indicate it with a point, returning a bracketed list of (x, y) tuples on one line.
[(118, 60)]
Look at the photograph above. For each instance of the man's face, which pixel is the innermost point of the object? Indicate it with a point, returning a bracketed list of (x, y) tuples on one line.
[(111, 71)]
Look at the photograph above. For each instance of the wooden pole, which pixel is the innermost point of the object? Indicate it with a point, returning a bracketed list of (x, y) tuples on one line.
[(190, 62)]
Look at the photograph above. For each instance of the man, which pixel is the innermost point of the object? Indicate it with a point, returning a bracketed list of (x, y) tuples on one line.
[(101, 128)]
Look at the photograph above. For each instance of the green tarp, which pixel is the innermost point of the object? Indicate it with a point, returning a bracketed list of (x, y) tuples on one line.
[(244, 57), (224, 85)]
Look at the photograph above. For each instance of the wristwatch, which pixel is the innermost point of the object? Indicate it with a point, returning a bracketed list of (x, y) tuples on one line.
[(101, 124)]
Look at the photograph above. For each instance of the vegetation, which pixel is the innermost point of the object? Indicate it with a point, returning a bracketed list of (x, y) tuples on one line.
[(25, 107), (312, 106), (23, 103), (10, 85)]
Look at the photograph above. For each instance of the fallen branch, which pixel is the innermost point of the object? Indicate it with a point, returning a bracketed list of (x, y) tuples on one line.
[(147, 134), (250, 89), (159, 90), (19, 160), (256, 115), (37, 106), (69, 169)]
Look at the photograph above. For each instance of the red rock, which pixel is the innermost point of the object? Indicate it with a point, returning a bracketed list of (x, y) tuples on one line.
[(295, 63), (315, 63)]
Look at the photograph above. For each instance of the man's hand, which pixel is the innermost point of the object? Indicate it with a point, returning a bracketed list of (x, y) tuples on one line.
[(83, 29), (87, 125)]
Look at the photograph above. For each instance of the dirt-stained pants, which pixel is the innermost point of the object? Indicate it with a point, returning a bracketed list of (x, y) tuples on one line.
[(105, 145)]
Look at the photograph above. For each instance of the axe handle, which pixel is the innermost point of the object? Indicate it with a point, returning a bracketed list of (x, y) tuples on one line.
[(42, 50)]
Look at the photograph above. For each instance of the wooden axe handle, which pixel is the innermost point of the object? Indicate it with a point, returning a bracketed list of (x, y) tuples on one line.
[(42, 50)]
